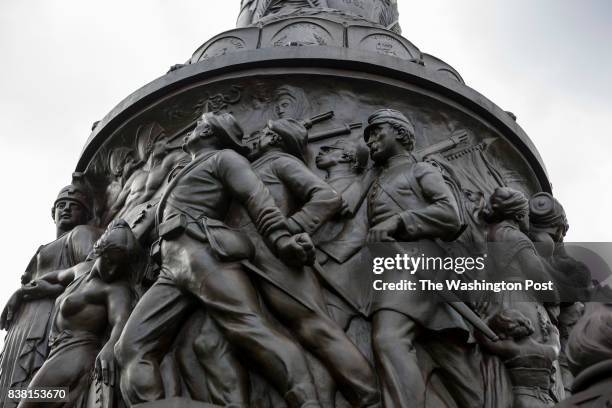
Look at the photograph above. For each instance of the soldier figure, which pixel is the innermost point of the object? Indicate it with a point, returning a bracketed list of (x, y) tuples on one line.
[(201, 261), (27, 314), (340, 240), (410, 202), (295, 295)]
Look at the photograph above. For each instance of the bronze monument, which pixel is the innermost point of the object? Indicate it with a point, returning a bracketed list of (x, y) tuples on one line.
[(244, 196)]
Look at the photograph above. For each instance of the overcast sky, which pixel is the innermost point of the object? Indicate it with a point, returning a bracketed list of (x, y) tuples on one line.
[(65, 64)]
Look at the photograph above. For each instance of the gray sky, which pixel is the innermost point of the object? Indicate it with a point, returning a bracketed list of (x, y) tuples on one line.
[(65, 64)]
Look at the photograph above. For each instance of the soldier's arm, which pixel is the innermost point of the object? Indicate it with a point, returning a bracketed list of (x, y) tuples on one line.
[(319, 201), (248, 189), (440, 218)]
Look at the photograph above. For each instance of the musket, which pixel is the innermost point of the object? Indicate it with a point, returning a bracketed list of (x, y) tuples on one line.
[(339, 131), (453, 141), (308, 123)]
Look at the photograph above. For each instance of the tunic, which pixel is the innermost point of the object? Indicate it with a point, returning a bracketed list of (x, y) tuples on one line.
[(307, 201), (417, 193)]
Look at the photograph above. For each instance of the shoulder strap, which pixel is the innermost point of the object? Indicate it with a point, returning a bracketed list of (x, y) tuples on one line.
[(164, 198)]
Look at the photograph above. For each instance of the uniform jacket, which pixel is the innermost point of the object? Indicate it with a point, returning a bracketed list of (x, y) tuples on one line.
[(427, 209), (307, 201), (417, 193), (205, 188)]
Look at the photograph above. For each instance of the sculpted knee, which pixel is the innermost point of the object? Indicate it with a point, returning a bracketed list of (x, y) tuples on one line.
[(141, 381), (125, 352)]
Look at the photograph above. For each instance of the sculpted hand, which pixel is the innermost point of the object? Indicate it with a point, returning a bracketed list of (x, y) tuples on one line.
[(297, 250), (25, 278), (38, 289), (385, 231), (105, 366), (9, 310), (345, 210)]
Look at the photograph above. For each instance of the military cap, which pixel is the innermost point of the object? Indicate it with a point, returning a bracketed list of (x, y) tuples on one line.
[(293, 134), (228, 129), (383, 116)]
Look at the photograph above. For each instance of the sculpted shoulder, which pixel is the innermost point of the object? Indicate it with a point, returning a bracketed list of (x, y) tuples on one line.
[(421, 169), (86, 233), (230, 156)]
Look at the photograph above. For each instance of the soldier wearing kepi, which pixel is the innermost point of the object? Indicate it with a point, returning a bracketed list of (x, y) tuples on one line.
[(201, 261), (295, 295), (410, 202), (28, 313)]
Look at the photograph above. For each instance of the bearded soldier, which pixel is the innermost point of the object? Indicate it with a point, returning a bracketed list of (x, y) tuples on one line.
[(27, 316)]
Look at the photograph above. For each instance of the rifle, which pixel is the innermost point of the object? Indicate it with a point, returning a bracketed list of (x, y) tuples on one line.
[(322, 117), (453, 141), (339, 131)]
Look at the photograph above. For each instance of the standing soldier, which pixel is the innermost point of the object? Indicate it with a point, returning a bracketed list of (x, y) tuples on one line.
[(27, 316), (410, 202), (200, 260), (296, 298), (339, 241)]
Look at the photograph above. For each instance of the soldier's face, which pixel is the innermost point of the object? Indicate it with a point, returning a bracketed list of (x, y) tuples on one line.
[(69, 214), (329, 156), (160, 149), (383, 143), (106, 266), (284, 107), (203, 129)]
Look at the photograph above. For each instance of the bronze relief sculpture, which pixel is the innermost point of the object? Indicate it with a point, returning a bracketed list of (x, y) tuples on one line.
[(243, 195)]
